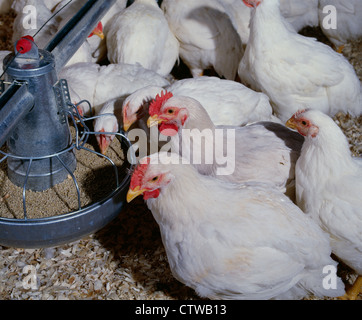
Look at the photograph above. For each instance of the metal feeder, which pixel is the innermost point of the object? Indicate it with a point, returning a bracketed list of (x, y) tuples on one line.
[(35, 111)]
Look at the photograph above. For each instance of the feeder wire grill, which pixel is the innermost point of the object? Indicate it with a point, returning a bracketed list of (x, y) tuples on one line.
[(81, 138), (82, 134), (34, 96)]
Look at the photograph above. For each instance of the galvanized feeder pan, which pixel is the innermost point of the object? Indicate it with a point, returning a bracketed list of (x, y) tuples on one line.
[(35, 111)]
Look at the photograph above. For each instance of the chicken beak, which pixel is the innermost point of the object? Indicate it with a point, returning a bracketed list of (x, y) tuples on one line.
[(100, 34), (291, 123), (104, 147), (104, 143), (154, 120), (126, 124), (131, 194)]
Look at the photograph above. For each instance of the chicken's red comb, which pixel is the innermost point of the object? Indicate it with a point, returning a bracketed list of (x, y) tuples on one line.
[(157, 103), (138, 173), (298, 113), (98, 28), (24, 45), (251, 3)]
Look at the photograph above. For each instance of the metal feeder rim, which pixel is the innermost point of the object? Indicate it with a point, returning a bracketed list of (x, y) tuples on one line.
[(68, 215)]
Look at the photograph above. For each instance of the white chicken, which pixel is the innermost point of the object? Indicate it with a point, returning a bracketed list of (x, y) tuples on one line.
[(140, 34), (82, 80), (107, 122), (298, 13), (93, 48), (98, 84), (207, 36), (329, 186), (120, 80), (240, 105), (233, 241), (348, 19), (31, 15), (296, 71), (263, 151)]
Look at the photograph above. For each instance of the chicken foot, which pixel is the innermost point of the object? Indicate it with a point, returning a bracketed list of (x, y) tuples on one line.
[(354, 291)]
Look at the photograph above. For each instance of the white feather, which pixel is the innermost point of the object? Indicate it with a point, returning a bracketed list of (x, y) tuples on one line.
[(263, 151), (140, 34), (230, 241), (240, 105), (329, 187), (98, 84), (207, 36), (349, 20), (297, 72)]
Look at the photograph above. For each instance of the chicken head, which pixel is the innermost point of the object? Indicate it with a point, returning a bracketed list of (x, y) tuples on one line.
[(129, 117), (98, 31), (305, 126), (147, 180), (168, 117), (251, 3), (106, 126)]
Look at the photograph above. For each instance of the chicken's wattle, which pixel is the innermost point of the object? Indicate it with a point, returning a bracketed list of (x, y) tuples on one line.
[(168, 129), (151, 194)]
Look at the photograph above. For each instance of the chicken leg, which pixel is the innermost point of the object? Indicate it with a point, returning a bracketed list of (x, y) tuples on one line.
[(340, 48), (354, 291)]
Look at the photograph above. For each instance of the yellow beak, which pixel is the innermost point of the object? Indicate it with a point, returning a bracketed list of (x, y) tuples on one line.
[(154, 120), (126, 124), (99, 34), (291, 123), (131, 194)]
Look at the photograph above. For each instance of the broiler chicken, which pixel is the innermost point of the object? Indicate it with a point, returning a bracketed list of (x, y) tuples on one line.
[(208, 38), (298, 13), (107, 123), (263, 151), (27, 24), (91, 49), (48, 25), (233, 241), (329, 186), (296, 71), (348, 16), (121, 79), (98, 84), (240, 105), (140, 34), (82, 80)]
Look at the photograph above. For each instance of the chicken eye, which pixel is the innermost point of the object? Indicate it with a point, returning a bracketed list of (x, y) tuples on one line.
[(154, 179), (304, 123), (170, 111)]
